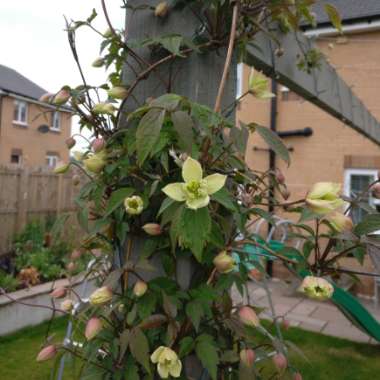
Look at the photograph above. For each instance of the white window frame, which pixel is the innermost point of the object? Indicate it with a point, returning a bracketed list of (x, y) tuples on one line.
[(365, 172), (56, 116), (52, 160), (18, 121), (239, 78)]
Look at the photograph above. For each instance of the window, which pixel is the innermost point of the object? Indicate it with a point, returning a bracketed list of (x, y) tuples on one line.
[(16, 156), (56, 121), (52, 159), (20, 113), (239, 77), (357, 181)]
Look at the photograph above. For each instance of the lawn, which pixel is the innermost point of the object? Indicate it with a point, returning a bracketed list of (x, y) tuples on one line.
[(330, 358)]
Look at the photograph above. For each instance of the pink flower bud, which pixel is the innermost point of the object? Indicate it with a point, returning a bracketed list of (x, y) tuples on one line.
[(47, 353), (93, 327), (162, 9), (67, 305), (297, 376), (280, 361), (46, 98), (152, 229), (248, 316), (279, 176), (224, 263), (59, 292), (71, 266), (76, 179), (76, 254), (61, 97), (247, 357), (376, 190), (70, 142), (98, 145), (140, 288), (285, 324)]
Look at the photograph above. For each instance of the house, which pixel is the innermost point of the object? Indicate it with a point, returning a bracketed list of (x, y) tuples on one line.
[(323, 148), (32, 133)]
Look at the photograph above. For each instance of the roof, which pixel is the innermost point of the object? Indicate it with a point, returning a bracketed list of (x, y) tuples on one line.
[(12, 81), (349, 10)]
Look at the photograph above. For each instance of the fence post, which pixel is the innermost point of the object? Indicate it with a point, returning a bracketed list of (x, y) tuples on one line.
[(22, 199), (59, 193)]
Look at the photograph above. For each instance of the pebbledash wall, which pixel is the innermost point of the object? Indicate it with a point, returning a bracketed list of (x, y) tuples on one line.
[(34, 145), (334, 150)]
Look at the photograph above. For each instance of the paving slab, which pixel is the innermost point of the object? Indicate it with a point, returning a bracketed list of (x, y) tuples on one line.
[(347, 332)]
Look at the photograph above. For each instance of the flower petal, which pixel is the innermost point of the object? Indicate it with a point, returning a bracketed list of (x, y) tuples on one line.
[(215, 182), (192, 170), (155, 357), (175, 191), (163, 370), (194, 204), (175, 368)]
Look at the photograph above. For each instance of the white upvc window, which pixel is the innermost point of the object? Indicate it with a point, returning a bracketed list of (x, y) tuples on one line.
[(56, 121), (357, 181), (52, 159), (20, 113), (239, 77)]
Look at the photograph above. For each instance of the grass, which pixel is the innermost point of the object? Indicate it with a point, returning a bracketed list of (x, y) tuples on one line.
[(329, 358)]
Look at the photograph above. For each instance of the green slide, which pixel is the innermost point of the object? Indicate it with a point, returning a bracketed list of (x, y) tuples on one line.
[(347, 303)]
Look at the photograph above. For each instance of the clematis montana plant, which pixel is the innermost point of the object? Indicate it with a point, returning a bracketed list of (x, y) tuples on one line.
[(169, 209)]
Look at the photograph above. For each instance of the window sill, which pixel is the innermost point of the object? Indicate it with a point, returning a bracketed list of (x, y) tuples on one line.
[(54, 130), (20, 124)]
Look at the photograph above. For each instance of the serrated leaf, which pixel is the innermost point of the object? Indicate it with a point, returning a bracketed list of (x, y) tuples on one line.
[(117, 199), (183, 124), (172, 43), (195, 312), (186, 345), (239, 137), (224, 198), (208, 355), (274, 142), (370, 223), (139, 346), (168, 102), (334, 16), (148, 133)]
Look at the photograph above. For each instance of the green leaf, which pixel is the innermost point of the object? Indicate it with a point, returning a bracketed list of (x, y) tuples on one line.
[(334, 16), (208, 355), (172, 43), (195, 312), (148, 133), (194, 229), (183, 124), (239, 137), (117, 199), (186, 345), (165, 204), (169, 102), (139, 346), (224, 198), (274, 142), (131, 370), (370, 223)]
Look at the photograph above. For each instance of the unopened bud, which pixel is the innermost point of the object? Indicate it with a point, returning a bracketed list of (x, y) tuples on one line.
[(134, 205), (162, 9), (104, 108), (224, 263), (297, 376), (46, 98), (47, 353), (248, 316), (98, 145), (101, 295), (59, 292), (285, 324), (285, 193), (340, 222), (108, 33), (140, 288), (62, 97), (376, 190), (247, 357), (93, 327), (279, 176), (67, 305), (153, 229), (280, 361), (96, 162), (70, 142), (76, 254), (71, 266), (117, 92), (76, 180), (99, 62), (61, 167)]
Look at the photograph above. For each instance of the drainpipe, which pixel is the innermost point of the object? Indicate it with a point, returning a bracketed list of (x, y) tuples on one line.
[(272, 160)]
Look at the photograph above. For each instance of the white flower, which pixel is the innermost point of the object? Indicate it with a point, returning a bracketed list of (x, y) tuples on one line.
[(167, 362), (317, 288), (196, 190)]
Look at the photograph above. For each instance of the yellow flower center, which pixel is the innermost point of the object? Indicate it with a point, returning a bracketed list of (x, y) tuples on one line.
[(196, 189)]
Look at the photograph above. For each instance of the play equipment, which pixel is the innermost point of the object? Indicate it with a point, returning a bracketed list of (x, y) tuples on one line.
[(349, 305)]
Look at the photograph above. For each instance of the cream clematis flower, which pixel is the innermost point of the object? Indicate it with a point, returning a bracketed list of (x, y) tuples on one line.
[(316, 288), (196, 190), (324, 197), (167, 362)]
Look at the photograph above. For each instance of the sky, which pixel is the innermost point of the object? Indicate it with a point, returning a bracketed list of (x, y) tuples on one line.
[(34, 43)]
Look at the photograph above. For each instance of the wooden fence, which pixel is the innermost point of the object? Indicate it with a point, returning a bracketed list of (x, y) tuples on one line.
[(31, 193)]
